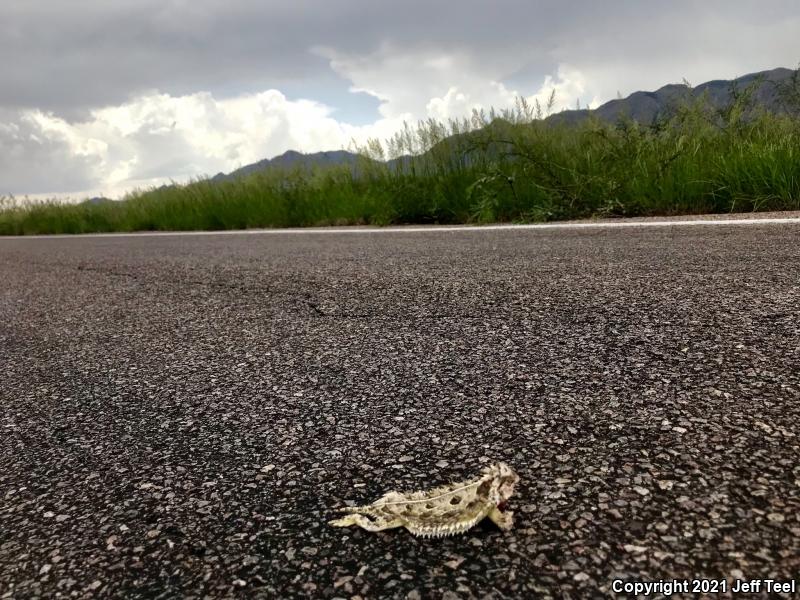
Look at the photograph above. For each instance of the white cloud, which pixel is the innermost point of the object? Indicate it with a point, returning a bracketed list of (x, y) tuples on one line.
[(157, 138), (36, 154), (569, 86), (430, 82)]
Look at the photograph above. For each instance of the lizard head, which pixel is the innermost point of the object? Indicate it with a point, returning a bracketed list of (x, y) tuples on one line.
[(503, 479)]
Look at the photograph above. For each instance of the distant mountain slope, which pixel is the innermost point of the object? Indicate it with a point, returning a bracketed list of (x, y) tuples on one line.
[(291, 159), (640, 106), (645, 106)]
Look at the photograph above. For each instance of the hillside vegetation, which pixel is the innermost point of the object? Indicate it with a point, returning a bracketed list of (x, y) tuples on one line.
[(696, 156)]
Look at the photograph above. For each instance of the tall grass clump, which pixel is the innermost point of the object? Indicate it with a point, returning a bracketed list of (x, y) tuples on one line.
[(500, 166)]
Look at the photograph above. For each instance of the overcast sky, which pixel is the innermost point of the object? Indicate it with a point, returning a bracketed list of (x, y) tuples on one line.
[(99, 96)]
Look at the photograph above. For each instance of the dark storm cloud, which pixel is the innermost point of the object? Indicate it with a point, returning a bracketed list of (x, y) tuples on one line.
[(70, 56)]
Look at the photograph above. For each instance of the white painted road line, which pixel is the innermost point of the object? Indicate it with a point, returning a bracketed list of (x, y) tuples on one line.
[(436, 228)]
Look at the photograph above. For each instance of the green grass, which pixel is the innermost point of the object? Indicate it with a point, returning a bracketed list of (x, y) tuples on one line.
[(507, 167)]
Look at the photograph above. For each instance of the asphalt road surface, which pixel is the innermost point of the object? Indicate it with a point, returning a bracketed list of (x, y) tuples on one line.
[(179, 416)]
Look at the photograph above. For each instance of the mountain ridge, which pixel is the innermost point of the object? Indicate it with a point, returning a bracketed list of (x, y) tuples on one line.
[(641, 106), (644, 106)]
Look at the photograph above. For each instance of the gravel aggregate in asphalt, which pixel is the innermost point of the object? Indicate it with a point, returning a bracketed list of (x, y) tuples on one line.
[(180, 415)]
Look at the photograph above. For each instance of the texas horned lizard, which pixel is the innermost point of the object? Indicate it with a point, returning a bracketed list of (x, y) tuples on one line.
[(446, 510)]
